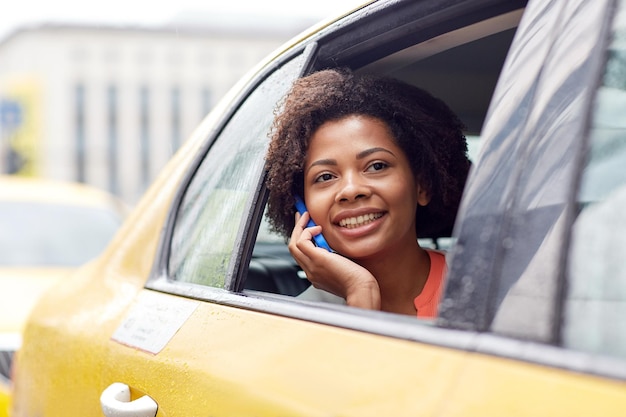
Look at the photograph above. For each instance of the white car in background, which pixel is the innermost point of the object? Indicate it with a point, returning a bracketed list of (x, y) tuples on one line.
[(47, 229)]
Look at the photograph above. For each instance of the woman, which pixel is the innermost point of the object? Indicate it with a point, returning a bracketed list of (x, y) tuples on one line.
[(379, 163)]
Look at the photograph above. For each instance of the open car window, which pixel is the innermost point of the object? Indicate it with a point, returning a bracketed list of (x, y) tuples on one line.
[(460, 67)]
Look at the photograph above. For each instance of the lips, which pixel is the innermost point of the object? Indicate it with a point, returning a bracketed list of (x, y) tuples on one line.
[(352, 222)]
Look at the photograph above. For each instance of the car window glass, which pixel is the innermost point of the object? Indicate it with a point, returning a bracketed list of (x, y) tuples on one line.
[(539, 196), (505, 273), (215, 202), (43, 234), (595, 307)]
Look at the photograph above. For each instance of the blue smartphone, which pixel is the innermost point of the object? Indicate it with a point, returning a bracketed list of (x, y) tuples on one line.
[(317, 239)]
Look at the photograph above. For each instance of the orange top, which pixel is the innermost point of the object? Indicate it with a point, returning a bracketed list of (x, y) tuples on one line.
[(427, 303)]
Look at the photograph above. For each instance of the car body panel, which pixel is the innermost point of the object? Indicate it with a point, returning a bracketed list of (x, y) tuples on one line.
[(205, 372), (5, 399), (488, 386), (21, 287)]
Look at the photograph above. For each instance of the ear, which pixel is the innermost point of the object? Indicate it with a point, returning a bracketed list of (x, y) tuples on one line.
[(423, 195)]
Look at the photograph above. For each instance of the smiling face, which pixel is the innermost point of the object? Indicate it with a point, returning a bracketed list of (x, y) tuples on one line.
[(359, 187)]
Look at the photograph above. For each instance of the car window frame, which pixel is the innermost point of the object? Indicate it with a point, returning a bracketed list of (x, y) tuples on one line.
[(159, 278)]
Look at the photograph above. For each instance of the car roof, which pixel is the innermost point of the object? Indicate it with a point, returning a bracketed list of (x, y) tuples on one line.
[(40, 190)]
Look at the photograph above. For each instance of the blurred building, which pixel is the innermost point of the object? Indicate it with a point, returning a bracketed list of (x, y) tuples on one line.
[(108, 106)]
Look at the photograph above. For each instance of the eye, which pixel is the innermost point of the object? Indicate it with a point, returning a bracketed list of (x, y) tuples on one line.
[(324, 177), (377, 166)]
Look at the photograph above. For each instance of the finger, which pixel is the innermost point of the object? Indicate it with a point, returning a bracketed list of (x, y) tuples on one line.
[(305, 242), (308, 233), (302, 220), (299, 227)]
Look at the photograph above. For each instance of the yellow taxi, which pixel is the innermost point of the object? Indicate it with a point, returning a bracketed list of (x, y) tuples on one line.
[(47, 229), (194, 308)]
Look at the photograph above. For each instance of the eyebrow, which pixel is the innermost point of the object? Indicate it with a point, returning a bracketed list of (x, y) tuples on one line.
[(370, 151), (360, 155), (321, 162)]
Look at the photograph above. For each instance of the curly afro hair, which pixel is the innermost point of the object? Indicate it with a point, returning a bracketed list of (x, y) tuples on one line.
[(425, 128)]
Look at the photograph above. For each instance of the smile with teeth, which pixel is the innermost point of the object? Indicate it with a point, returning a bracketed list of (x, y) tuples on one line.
[(352, 222)]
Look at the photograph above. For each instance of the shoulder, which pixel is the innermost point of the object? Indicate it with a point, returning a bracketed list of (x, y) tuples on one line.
[(437, 257)]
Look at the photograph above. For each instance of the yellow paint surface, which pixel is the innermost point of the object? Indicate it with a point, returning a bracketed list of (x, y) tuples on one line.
[(5, 399)]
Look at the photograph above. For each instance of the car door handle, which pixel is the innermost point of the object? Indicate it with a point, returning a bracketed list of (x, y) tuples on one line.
[(115, 402)]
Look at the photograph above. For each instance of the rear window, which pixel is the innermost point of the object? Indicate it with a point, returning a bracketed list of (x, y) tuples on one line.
[(40, 234)]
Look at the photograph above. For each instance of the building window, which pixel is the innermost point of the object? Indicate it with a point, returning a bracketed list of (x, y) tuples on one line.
[(79, 112), (112, 137), (144, 116), (175, 120)]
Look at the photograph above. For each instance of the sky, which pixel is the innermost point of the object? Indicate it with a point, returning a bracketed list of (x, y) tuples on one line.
[(156, 12)]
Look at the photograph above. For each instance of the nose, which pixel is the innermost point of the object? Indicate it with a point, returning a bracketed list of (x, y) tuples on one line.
[(352, 187)]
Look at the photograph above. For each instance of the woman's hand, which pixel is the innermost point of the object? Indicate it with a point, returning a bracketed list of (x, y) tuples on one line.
[(330, 271)]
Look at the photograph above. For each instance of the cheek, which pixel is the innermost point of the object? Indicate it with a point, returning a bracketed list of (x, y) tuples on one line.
[(316, 205), (404, 194), (403, 189)]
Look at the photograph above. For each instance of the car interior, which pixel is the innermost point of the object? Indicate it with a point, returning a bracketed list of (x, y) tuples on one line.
[(461, 67)]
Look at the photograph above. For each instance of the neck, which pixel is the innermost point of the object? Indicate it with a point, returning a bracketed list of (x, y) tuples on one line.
[(401, 276)]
